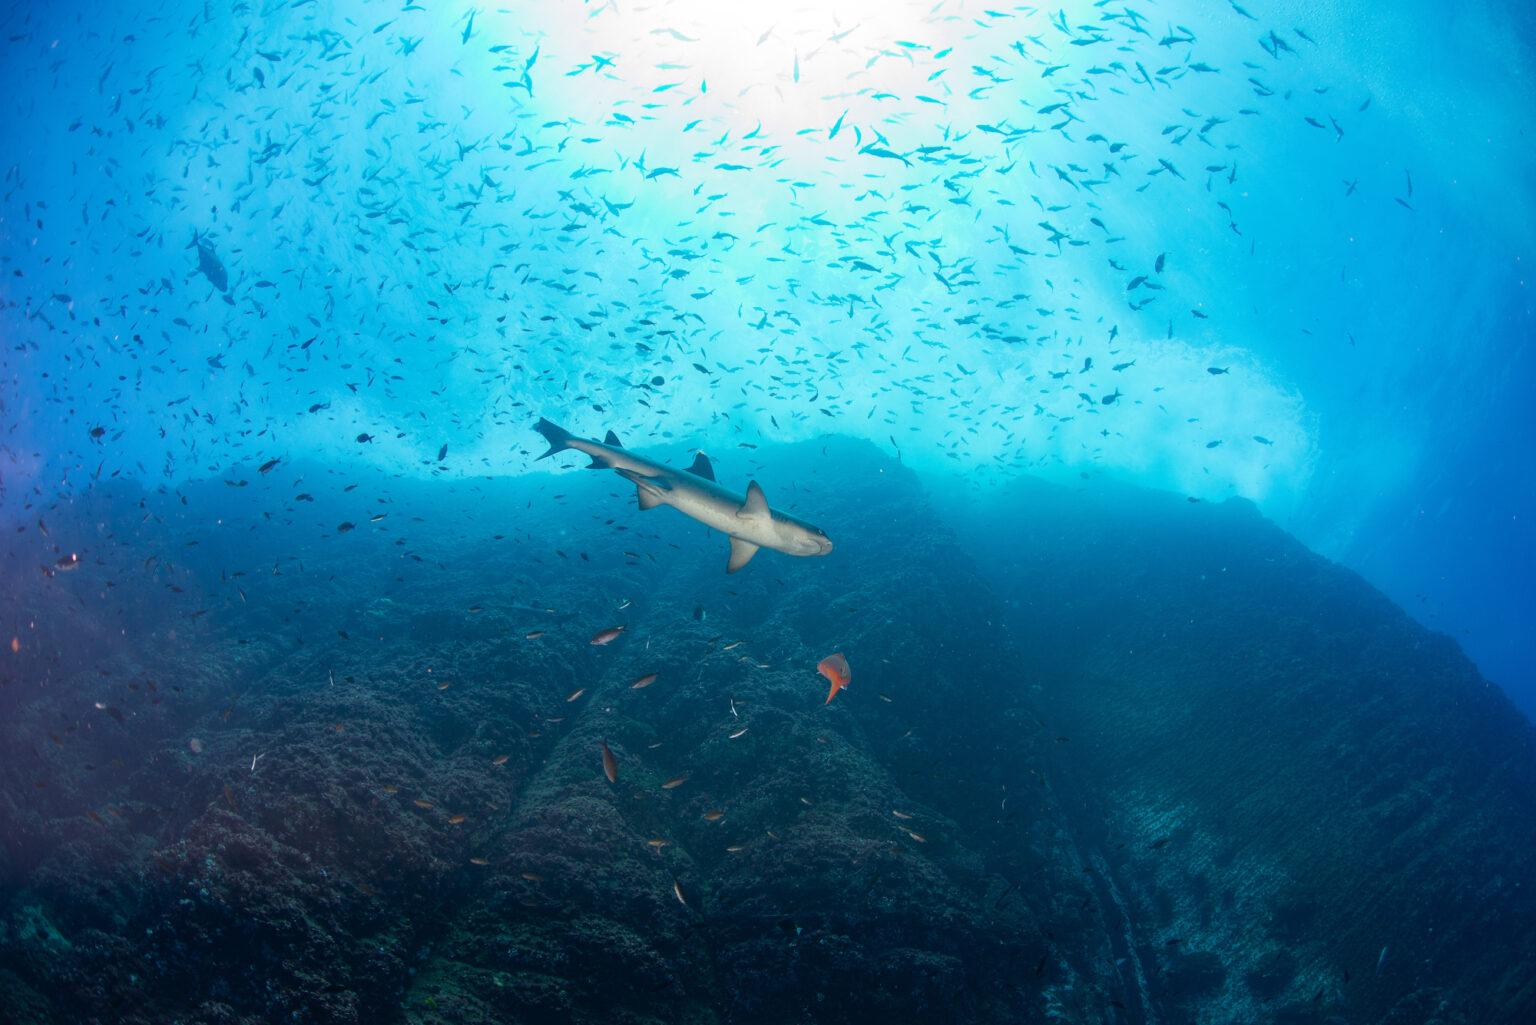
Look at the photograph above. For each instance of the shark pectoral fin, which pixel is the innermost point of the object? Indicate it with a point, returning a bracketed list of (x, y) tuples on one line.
[(702, 467), (756, 505), (741, 554)]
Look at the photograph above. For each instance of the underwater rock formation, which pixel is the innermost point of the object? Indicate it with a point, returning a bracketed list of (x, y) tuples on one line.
[(1313, 808), (1186, 772)]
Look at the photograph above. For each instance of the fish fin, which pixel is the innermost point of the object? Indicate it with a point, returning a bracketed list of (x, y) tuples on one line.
[(612, 439), (832, 693), (648, 490), (756, 505), (741, 554), (648, 495), (635, 476), (702, 467), (559, 439)]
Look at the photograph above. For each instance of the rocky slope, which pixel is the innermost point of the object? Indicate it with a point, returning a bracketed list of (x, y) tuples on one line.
[(1311, 808), (1121, 769)]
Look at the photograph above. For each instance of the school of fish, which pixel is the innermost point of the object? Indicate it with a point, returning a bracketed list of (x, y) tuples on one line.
[(316, 247)]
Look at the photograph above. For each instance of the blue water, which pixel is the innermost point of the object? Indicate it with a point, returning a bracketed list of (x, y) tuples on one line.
[(285, 287), (440, 221)]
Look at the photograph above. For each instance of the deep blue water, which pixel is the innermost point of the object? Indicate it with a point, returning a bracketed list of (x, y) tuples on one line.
[(1158, 370), (911, 223)]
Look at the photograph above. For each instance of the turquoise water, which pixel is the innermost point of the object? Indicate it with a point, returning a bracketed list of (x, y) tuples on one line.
[(915, 224), (286, 286)]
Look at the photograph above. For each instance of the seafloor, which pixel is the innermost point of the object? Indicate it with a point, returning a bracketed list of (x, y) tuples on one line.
[(1161, 763)]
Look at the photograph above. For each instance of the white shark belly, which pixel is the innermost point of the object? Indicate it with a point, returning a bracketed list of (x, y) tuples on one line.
[(720, 512)]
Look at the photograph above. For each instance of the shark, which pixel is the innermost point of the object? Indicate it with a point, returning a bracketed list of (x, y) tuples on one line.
[(747, 520)]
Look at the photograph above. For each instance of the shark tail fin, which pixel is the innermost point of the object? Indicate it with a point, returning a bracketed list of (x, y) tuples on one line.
[(558, 437)]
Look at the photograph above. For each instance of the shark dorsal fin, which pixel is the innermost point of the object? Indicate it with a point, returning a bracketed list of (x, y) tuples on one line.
[(613, 440), (756, 505), (702, 467)]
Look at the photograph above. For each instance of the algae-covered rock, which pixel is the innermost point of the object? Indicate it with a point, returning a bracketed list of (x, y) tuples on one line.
[(1188, 773)]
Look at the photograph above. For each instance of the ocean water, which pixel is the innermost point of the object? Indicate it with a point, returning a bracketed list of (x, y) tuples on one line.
[(700, 512)]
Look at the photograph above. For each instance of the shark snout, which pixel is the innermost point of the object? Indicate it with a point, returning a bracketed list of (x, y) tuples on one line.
[(815, 543), (807, 541)]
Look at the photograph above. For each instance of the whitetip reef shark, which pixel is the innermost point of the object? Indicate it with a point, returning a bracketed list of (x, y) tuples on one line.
[(748, 521)]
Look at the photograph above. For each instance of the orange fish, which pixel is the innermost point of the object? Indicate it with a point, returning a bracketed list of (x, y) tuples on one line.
[(610, 764), (644, 681), (478, 861), (674, 783), (607, 636), (500, 759), (457, 820), (835, 668), (15, 645)]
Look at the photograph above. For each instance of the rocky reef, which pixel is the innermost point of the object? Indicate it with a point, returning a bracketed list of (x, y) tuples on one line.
[(1305, 806), (329, 748)]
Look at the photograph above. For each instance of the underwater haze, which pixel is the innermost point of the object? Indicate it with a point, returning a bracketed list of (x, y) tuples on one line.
[(696, 511), (938, 227)]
